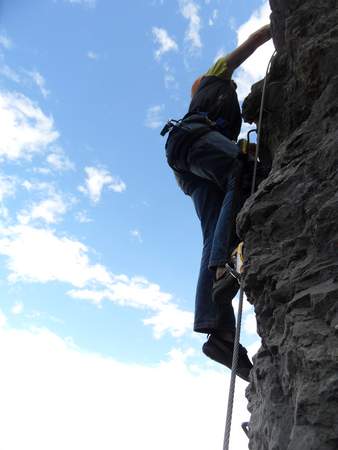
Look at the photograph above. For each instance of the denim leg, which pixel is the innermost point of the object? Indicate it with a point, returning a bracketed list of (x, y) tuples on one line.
[(215, 158), (225, 237), (208, 200)]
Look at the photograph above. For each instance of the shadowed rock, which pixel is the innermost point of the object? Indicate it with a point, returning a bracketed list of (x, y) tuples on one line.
[(291, 235)]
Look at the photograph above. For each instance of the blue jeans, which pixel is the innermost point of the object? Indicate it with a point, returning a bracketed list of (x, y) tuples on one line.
[(209, 171)]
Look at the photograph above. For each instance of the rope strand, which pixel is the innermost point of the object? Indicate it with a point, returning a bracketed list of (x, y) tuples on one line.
[(241, 293)]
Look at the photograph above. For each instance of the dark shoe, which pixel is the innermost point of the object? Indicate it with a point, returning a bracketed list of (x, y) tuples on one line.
[(225, 288), (221, 351)]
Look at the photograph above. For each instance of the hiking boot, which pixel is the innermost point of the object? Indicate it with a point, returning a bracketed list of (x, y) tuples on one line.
[(221, 351), (225, 288)]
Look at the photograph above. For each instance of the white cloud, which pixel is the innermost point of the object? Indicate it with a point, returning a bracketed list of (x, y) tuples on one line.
[(247, 307), (165, 42), (135, 292), (71, 399), (250, 324), (154, 117), (92, 55), (59, 161), (138, 292), (25, 128), (17, 308), (253, 348), (39, 255), (254, 68), (171, 318), (48, 210), (40, 82), (244, 130), (189, 10), (97, 179)]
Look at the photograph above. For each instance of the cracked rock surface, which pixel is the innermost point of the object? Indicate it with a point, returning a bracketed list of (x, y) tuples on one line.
[(290, 228)]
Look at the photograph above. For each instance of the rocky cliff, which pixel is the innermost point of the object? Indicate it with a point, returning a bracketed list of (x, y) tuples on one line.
[(290, 229)]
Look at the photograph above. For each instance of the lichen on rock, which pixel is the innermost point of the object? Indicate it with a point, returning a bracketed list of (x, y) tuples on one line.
[(291, 235)]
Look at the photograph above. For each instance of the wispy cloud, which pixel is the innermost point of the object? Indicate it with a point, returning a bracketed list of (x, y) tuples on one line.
[(5, 70), (165, 42), (136, 234), (98, 178), (34, 185), (213, 17), (190, 11), (92, 55), (8, 72), (170, 81), (7, 186), (25, 128), (154, 117), (39, 81), (57, 160), (82, 217), (88, 3), (5, 42)]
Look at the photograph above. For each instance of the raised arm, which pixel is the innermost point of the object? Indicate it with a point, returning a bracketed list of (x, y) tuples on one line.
[(255, 40)]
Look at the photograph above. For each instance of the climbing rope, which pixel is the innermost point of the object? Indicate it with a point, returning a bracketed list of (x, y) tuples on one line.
[(241, 292)]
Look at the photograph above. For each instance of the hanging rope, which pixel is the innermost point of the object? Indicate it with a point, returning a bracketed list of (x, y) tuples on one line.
[(241, 292)]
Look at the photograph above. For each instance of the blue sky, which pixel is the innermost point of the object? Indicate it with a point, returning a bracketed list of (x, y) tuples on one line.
[(99, 249)]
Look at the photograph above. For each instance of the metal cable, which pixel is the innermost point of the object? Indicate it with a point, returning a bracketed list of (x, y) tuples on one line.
[(259, 125), (241, 292), (233, 372)]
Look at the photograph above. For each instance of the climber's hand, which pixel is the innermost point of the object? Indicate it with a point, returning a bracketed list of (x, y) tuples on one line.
[(263, 34)]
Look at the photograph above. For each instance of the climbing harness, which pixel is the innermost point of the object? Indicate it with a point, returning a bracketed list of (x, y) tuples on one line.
[(200, 118), (241, 292)]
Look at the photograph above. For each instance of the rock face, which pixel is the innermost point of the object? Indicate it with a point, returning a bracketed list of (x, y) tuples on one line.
[(290, 228)]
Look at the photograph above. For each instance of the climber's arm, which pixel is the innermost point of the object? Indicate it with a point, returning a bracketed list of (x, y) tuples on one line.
[(255, 40)]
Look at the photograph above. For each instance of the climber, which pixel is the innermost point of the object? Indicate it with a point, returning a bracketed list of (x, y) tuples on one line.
[(207, 164)]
